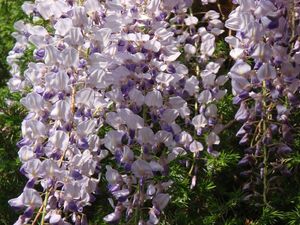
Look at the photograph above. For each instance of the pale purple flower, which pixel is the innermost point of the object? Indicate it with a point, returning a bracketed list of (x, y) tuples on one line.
[(29, 198), (142, 169), (112, 65)]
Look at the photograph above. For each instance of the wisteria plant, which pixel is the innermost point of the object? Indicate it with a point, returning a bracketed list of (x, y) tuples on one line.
[(117, 91)]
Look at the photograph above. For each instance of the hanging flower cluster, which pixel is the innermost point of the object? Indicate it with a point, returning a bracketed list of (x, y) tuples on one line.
[(144, 70), (265, 82)]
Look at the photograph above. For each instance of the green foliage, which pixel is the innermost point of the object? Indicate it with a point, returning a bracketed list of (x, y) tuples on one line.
[(222, 50), (11, 181), (10, 12), (27, 57), (225, 161), (270, 216), (11, 114), (294, 217)]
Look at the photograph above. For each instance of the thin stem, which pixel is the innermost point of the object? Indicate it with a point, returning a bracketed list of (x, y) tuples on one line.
[(197, 74), (44, 207), (37, 215), (196, 106), (221, 11), (79, 2), (73, 100), (292, 20), (255, 134), (193, 164), (265, 175), (137, 211), (199, 13), (265, 152), (228, 125)]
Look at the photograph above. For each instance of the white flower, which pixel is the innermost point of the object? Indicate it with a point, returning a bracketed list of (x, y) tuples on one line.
[(60, 140), (154, 98), (191, 20), (34, 102), (141, 169), (190, 49), (196, 146)]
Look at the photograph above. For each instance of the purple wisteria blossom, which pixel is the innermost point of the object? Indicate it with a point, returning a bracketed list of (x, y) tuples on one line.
[(122, 65), (265, 80)]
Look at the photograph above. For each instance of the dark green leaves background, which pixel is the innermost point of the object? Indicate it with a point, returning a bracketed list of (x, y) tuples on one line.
[(11, 114)]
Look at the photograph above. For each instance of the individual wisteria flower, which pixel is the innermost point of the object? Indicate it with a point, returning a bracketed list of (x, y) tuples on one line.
[(265, 82), (113, 64)]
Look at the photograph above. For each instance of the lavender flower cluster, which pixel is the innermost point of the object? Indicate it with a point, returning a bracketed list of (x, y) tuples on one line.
[(146, 72), (265, 82), (122, 65)]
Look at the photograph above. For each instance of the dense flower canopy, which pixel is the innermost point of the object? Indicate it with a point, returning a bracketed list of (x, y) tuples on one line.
[(146, 72)]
